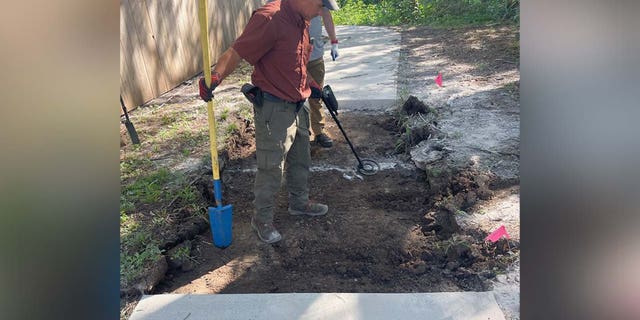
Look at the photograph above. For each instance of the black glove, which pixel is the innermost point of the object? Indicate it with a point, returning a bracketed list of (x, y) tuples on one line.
[(316, 93)]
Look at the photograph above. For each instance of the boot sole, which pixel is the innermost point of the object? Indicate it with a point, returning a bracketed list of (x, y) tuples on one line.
[(304, 213), (326, 145)]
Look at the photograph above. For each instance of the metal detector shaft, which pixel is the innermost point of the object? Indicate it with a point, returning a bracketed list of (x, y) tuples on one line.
[(345, 135)]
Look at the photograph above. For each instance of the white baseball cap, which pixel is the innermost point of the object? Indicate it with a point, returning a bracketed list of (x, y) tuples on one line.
[(330, 4)]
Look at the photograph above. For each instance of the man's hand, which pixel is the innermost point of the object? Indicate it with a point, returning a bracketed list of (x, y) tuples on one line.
[(316, 91), (334, 50), (206, 93)]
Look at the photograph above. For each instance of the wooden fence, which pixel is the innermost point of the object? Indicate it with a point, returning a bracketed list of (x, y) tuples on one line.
[(160, 42)]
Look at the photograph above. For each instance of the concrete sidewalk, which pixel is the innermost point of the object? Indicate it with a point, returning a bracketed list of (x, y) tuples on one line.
[(319, 306), (364, 75)]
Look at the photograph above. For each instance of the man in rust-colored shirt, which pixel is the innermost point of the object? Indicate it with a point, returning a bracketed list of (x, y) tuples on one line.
[(276, 42)]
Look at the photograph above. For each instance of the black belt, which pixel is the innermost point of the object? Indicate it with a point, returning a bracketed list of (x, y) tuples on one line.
[(268, 96)]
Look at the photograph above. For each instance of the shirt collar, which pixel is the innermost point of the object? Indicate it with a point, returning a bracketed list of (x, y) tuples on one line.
[(295, 17)]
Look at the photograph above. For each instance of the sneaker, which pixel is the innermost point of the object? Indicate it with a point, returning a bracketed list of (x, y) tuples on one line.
[(266, 231), (311, 209), (324, 141)]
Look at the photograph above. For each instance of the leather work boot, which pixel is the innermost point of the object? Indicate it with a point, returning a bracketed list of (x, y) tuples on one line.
[(266, 231), (311, 209), (324, 141)]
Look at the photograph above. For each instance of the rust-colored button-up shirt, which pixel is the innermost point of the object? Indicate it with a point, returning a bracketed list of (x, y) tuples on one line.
[(276, 42)]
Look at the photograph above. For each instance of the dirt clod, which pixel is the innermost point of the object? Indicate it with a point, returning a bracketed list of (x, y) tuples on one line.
[(442, 222), (414, 106)]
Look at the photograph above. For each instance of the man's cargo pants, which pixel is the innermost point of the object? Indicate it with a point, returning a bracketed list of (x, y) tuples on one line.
[(282, 145)]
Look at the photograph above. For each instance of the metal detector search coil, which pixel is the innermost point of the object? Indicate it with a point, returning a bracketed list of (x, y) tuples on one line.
[(368, 167)]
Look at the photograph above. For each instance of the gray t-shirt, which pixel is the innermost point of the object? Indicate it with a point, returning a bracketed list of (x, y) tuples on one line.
[(315, 32)]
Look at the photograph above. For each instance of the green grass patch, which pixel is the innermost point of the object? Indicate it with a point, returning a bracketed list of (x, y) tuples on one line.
[(446, 13), (133, 266), (134, 165), (147, 189)]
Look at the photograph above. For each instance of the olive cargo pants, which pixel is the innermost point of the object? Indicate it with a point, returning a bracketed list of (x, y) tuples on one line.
[(282, 145)]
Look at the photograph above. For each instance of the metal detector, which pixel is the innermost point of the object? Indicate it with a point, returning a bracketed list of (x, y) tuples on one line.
[(366, 167)]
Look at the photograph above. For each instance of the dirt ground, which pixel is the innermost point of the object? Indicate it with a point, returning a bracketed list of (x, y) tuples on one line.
[(389, 232)]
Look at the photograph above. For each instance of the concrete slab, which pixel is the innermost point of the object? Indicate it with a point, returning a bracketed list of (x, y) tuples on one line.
[(318, 306), (364, 75)]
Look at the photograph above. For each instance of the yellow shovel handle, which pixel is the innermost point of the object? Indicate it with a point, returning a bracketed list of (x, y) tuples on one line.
[(204, 41)]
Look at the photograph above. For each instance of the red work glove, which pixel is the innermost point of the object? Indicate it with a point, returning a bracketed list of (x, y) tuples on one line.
[(206, 94)]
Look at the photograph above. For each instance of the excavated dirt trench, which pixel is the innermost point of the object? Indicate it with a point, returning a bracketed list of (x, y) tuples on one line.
[(390, 232)]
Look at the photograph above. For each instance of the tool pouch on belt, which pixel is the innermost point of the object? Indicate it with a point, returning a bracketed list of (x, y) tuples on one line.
[(329, 99), (253, 94)]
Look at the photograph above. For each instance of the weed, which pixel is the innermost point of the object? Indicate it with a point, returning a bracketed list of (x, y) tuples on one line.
[(453, 242), (126, 206), (188, 194), (133, 266), (182, 253), (224, 114), (231, 128), (162, 218), (246, 112), (167, 119), (131, 166)]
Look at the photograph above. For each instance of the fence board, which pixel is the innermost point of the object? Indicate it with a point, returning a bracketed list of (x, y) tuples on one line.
[(160, 42)]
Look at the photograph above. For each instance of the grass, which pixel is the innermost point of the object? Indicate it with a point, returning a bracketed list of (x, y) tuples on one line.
[(224, 114), (147, 189), (448, 13), (156, 198), (245, 112), (133, 266), (132, 166), (182, 253)]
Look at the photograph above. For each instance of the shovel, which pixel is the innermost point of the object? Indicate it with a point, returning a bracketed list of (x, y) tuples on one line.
[(127, 123), (220, 216)]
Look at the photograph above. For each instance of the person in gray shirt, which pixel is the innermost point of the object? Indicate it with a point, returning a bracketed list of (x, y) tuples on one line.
[(315, 68)]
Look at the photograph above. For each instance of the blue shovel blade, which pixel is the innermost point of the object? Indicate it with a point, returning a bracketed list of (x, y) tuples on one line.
[(221, 218)]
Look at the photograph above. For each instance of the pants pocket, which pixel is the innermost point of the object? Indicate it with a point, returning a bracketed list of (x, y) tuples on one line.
[(303, 120), (268, 159)]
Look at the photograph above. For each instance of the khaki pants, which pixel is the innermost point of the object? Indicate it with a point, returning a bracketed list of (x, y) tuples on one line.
[(315, 69), (282, 144)]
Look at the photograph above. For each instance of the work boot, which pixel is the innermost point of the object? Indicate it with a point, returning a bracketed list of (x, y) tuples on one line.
[(310, 209), (324, 141), (266, 231)]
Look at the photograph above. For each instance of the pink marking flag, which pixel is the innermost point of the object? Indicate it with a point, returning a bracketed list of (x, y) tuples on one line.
[(439, 79), (496, 235)]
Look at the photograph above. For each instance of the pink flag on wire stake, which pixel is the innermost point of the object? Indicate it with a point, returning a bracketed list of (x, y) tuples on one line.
[(439, 79), (496, 235)]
